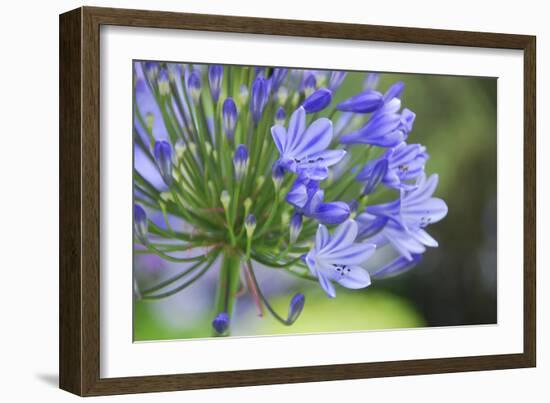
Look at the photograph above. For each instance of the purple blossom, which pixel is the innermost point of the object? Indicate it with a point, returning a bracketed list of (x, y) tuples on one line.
[(408, 216), (405, 162), (307, 198), (337, 258), (304, 150), (383, 129)]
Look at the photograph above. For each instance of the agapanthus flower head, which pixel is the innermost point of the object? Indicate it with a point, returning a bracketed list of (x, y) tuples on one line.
[(140, 224), (317, 101), (338, 258), (304, 150), (229, 117), (209, 180), (163, 157), (221, 322), (215, 75)]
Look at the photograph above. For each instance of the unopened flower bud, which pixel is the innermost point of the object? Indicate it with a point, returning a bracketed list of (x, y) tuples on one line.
[(250, 225), (221, 322), (240, 161)]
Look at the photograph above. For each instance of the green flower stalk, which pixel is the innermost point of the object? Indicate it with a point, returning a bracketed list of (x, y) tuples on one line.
[(207, 137)]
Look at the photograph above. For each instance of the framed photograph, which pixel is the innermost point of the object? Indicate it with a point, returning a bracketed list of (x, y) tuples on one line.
[(249, 201)]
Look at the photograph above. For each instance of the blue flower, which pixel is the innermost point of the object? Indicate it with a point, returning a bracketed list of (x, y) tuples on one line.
[(317, 101), (307, 198), (221, 322), (258, 98), (215, 75), (240, 161), (229, 117), (405, 162), (364, 102), (304, 151), (163, 157), (408, 216), (338, 258), (384, 129)]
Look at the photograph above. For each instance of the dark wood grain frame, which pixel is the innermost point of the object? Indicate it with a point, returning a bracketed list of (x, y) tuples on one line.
[(79, 88)]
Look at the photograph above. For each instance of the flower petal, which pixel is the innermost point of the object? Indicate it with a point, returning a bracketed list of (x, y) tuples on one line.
[(321, 237), (297, 196), (278, 133), (296, 128), (355, 254), (329, 157), (397, 266), (326, 284), (332, 213), (343, 236), (316, 139), (355, 278)]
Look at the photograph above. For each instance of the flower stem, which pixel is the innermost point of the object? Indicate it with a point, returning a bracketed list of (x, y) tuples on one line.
[(228, 284)]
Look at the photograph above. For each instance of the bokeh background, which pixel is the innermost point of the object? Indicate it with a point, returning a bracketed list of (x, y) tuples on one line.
[(455, 284)]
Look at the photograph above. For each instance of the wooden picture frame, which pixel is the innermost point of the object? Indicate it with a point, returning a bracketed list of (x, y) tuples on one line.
[(79, 346)]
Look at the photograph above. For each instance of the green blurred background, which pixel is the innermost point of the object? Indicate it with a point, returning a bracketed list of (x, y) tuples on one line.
[(455, 284)]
